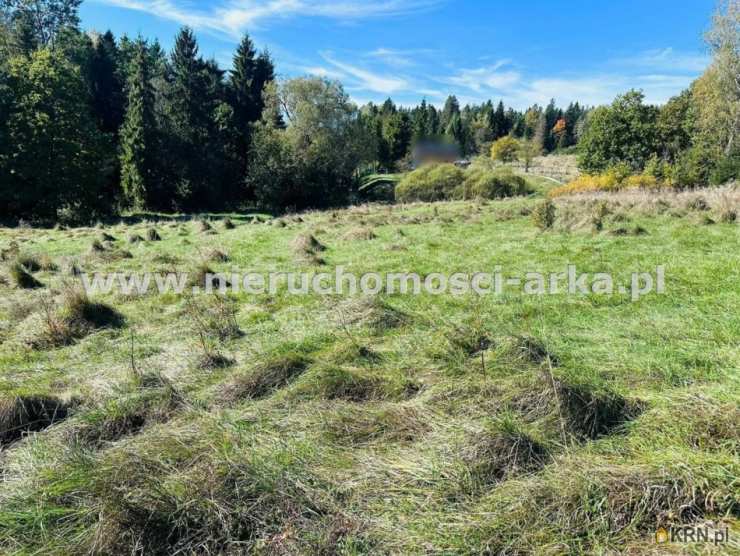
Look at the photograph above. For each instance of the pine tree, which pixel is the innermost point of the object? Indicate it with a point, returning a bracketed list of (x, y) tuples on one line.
[(138, 135), (106, 84), (242, 95), (450, 110), (241, 85), (189, 111), (552, 115), (264, 73), (500, 127)]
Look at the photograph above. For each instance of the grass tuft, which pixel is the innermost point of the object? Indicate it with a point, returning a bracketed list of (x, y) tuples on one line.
[(21, 278), (501, 452), (76, 318), (371, 312), (360, 234), (591, 413), (266, 377), (24, 414)]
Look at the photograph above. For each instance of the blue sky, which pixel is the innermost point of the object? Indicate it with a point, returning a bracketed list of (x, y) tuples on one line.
[(521, 52)]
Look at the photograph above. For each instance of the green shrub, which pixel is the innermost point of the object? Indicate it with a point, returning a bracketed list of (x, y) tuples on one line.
[(446, 181), (727, 169), (485, 184), (430, 183), (506, 149)]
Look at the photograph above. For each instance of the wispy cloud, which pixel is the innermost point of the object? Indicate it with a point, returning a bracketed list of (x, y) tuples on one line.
[(322, 72), (489, 77), (232, 17), (665, 59), (366, 80), (401, 58)]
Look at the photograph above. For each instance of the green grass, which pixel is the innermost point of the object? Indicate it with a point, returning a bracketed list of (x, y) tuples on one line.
[(406, 425)]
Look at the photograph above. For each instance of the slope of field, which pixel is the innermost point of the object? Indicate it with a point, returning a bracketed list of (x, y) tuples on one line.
[(279, 424)]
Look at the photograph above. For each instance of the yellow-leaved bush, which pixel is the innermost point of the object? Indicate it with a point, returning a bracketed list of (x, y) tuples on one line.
[(613, 179)]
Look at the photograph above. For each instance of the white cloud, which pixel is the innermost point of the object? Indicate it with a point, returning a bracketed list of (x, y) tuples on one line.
[(323, 72), (232, 17), (400, 58), (365, 80), (489, 77), (666, 59)]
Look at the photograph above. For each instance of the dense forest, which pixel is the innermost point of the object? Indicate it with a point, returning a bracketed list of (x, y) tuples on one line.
[(92, 125)]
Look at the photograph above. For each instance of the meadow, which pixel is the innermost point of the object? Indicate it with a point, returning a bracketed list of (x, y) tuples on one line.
[(279, 424)]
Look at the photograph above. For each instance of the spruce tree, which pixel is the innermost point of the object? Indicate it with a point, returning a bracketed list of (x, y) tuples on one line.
[(106, 84), (138, 134), (264, 73), (500, 126), (250, 75), (241, 85), (189, 111)]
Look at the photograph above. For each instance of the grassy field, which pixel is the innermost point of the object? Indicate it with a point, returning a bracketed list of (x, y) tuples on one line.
[(512, 424)]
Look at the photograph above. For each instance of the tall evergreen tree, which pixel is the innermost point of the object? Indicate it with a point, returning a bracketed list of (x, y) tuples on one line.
[(500, 126), (106, 82), (450, 110), (189, 110), (241, 85), (138, 136), (264, 73), (249, 75)]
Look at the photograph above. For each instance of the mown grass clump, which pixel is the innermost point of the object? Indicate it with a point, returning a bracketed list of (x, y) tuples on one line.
[(129, 413), (213, 322), (47, 264), (217, 256), (23, 414), (204, 277), (75, 318), (728, 216), (204, 226), (355, 426), (97, 247), (591, 412), (360, 234), (333, 382), (372, 312), (153, 235), (22, 278), (306, 244), (266, 377), (31, 263), (502, 451)]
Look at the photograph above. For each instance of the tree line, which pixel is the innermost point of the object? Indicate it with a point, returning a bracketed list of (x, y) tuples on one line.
[(92, 124), (473, 127)]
